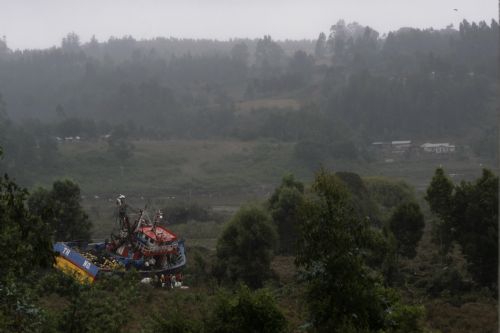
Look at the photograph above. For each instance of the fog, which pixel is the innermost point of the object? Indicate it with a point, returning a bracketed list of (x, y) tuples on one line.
[(341, 154), (43, 23)]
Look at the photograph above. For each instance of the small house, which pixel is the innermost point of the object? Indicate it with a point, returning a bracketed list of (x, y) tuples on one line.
[(438, 148)]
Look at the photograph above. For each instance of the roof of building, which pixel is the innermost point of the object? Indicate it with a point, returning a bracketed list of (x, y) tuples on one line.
[(435, 145)]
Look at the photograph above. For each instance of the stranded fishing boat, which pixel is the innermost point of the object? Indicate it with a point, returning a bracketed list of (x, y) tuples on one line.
[(145, 245)]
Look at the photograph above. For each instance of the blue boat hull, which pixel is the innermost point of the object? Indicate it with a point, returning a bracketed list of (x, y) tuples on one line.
[(70, 260)]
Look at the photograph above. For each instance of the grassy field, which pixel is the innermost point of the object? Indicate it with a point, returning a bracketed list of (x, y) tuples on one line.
[(160, 168), (271, 103), (222, 174), (219, 168)]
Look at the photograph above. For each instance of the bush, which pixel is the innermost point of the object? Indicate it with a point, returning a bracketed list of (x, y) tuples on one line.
[(389, 193), (101, 307), (407, 225), (245, 312), (61, 208), (284, 207), (245, 249), (172, 321), (450, 280)]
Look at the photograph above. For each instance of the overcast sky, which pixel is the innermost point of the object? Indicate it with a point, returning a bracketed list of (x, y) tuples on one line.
[(43, 23)]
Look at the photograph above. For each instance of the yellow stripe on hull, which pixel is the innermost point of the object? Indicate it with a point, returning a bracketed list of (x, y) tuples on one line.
[(71, 269)]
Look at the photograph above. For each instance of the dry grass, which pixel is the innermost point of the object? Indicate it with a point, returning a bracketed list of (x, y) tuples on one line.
[(289, 295), (284, 267), (469, 317), (247, 106)]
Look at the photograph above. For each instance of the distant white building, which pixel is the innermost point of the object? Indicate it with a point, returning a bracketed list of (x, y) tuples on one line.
[(403, 143), (400, 146), (392, 147), (438, 148)]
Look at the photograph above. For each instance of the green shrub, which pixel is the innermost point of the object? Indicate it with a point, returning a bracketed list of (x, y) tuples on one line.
[(173, 321), (246, 311), (100, 307), (245, 249)]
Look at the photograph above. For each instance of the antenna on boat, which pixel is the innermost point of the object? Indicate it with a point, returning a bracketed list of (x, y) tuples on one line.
[(157, 219), (139, 220)]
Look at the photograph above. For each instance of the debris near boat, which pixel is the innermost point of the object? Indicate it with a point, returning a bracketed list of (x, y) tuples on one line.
[(102, 260)]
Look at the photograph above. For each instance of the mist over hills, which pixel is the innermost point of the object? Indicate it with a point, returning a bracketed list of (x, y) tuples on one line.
[(349, 181), (348, 88)]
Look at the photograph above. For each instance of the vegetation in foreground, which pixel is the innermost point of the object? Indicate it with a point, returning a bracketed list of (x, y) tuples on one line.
[(351, 274)]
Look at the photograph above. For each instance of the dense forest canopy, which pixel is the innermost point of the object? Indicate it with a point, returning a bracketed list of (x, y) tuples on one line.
[(409, 81), (349, 88)]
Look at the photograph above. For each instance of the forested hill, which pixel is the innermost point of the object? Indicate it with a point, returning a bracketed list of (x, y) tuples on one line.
[(350, 84)]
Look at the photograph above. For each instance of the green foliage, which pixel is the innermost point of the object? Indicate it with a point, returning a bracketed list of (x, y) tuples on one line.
[(407, 225), (388, 193), (19, 311), (240, 55), (24, 238), (439, 194), (101, 307), (246, 311), (71, 43), (403, 318), (469, 217), (25, 250), (301, 67), (243, 310), (269, 56), (198, 270), (449, 280), (343, 293), (363, 204), (284, 206), (245, 248), (320, 47), (61, 209), (475, 218), (174, 321), (28, 145)]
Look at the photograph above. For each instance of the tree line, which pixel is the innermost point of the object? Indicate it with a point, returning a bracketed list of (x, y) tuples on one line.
[(353, 86)]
